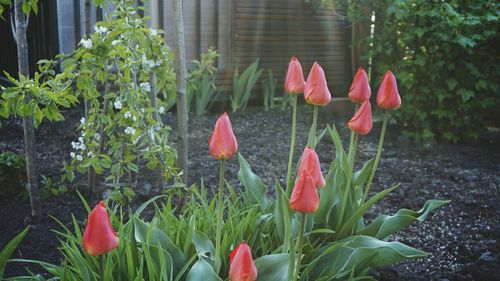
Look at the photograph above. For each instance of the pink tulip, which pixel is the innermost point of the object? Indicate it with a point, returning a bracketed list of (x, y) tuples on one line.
[(316, 90)]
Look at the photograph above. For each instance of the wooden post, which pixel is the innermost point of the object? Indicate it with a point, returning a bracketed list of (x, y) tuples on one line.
[(180, 75)]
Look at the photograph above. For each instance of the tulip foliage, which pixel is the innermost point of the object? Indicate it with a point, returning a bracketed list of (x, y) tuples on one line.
[(318, 231)]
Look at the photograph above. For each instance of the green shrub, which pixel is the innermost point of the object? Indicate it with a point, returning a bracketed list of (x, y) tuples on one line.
[(123, 132), (243, 85), (269, 90), (201, 91), (12, 173), (444, 56)]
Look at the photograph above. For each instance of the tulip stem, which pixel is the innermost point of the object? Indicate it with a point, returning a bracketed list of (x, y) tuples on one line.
[(220, 213), (377, 158), (299, 247), (312, 141), (101, 267), (292, 145), (352, 160), (351, 142), (344, 201)]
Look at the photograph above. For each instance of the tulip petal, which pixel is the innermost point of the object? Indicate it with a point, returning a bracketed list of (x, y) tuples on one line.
[(361, 122)]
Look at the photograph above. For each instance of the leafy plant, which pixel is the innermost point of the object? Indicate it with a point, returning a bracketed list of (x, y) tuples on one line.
[(124, 129), (50, 188), (243, 85), (439, 54), (12, 173), (201, 91), (9, 249), (269, 90)]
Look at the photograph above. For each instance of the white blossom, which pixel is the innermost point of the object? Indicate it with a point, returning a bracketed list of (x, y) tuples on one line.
[(161, 110), (80, 139), (114, 42), (147, 63), (86, 43), (82, 121), (97, 136), (127, 114), (100, 29), (145, 86), (118, 104), (78, 145), (79, 157), (129, 131), (72, 154), (90, 154), (153, 32), (134, 118)]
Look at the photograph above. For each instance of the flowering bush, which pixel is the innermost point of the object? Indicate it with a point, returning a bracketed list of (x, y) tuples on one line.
[(124, 72)]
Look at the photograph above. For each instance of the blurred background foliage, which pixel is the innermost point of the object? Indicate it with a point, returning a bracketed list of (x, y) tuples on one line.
[(444, 55)]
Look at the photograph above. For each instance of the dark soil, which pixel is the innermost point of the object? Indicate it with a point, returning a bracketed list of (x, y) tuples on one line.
[(461, 238)]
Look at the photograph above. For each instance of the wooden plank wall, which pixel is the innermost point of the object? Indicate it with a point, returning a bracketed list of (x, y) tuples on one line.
[(273, 30)]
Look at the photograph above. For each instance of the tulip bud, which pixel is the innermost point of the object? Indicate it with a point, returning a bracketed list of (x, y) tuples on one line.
[(316, 90), (387, 95), (99, 237), (360, 88), (294, 81), (309, 163), (222, 143), (241, 266), (304, 198), (361, 122)]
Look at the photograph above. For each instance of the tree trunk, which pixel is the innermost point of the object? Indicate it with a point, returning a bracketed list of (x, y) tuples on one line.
[(91, 175), (86, 17), (28, 126), (180, 75)]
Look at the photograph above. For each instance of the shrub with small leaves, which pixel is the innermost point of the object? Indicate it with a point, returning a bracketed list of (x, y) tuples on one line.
[(443, 55), (12, 173), (124, 72)]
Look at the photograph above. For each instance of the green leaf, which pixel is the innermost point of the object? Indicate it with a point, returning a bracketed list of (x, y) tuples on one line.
[(204, 247), (201, 270), (452, 83), (359, 177), (255, 190), (159, 239), (273, 267), (465, 94), (280, 207), (26, 7), (337, 259), (385, 225), (9, 249), (353, 220)]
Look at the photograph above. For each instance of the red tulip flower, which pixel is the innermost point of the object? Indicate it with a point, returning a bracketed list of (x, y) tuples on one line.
[(223, 143), (361, 122), (388, 95), (241, 266), (294, 81), (99, 237), (304, 198), (316, 90), (309, 164), (360, 88)]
